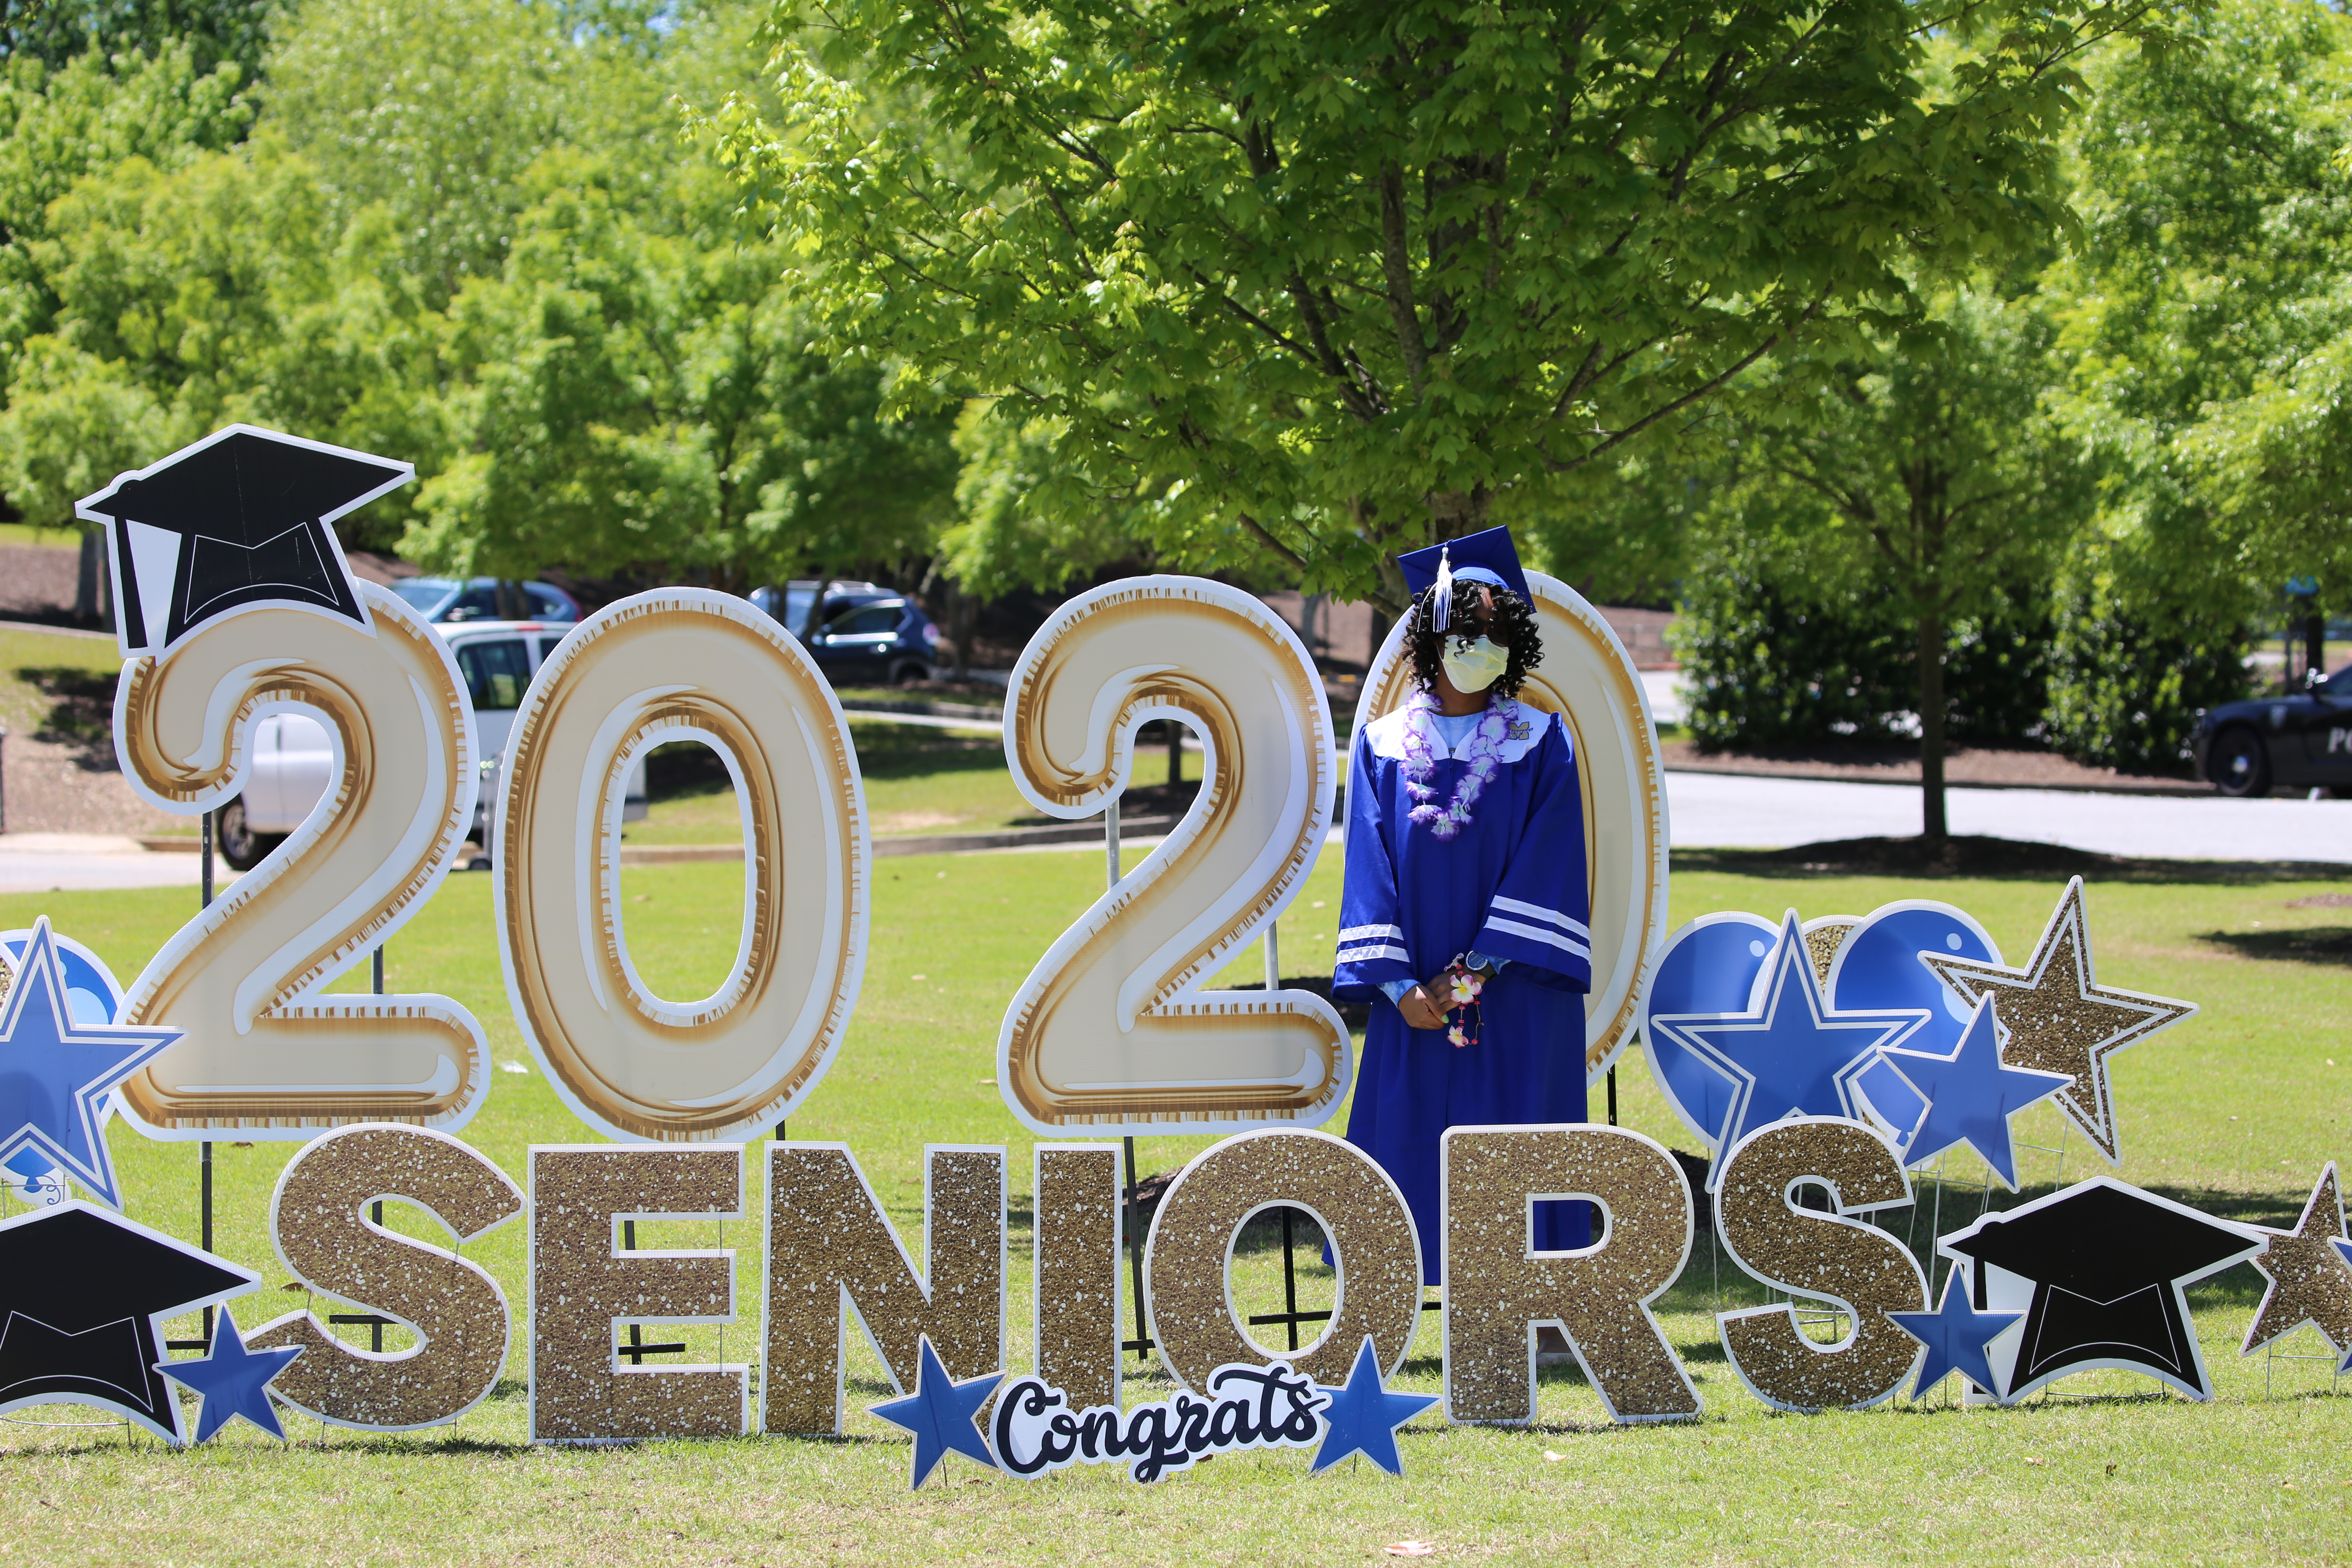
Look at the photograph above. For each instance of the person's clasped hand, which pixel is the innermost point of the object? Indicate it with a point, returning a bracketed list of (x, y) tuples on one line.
[(1425, 1005)]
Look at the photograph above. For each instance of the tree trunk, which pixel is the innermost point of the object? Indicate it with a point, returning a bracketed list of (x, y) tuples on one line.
[(1932, 829)]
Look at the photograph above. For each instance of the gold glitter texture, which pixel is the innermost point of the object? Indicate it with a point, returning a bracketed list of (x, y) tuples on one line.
[(1077, 1272), (1807, 1253), (1496, 1292), (831, 1251), (1823, 937), (1108, 1021), (2061, 1019), (2309, 1281), (1187, 1265), (319, 1225), (583, 1287)]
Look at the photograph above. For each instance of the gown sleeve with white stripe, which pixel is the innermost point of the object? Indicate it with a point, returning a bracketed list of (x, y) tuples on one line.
[(1511, 885)]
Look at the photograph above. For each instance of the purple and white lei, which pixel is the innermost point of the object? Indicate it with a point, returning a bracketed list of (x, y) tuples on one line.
[(1485, 756)]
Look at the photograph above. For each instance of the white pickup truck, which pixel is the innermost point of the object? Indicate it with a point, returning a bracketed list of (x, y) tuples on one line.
[(294, 757)]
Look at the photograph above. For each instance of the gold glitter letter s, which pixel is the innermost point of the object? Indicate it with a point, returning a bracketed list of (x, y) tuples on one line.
[(831, 1251), (1497, 1291), (458, 1310), (1863, 1272), (583, 1287)]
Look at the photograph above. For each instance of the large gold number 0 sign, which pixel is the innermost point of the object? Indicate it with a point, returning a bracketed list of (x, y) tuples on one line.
[(264, 1055), (1587, 674), (682, 664), (1108, 1032)]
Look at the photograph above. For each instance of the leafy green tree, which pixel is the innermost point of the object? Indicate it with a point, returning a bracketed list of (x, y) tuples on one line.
[(2206, 308), (55, 32), (1923, 465), (636, 390), (1335, 280)]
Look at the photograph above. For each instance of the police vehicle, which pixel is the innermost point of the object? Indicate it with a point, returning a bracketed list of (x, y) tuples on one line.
[(2301, 742)]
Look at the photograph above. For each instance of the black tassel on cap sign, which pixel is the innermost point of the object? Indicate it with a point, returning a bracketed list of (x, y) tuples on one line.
[(237, 519)]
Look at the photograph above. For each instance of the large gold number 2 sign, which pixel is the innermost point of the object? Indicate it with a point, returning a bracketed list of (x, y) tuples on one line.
[(1109, 1032), (262, 1053), (682, 664)]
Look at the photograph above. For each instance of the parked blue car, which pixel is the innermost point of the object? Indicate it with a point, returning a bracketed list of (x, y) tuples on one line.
[(2302, 742), (449, 599), (863, 634)]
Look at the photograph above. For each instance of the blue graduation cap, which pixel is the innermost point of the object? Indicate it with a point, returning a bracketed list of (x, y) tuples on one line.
[(1485, 557)]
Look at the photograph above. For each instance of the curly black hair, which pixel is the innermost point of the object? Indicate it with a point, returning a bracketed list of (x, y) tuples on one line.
[(1512, 625)]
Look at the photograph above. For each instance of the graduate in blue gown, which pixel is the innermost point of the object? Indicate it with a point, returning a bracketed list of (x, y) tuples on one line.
[(1466, 870)]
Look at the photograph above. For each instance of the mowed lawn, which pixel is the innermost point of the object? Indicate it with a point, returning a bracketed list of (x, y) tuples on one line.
[(2236, 1109)]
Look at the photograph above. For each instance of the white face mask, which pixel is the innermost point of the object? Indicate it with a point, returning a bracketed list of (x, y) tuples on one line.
[(1474, 666)]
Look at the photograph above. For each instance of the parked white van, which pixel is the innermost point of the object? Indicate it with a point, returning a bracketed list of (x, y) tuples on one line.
[(294, 757)]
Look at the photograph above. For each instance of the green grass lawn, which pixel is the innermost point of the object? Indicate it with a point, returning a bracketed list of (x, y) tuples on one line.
[(2234, 1110)]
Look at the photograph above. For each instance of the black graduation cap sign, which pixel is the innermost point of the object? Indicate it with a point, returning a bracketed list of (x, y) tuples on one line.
[(82, 1295), (238, 519), (2098, 1270)]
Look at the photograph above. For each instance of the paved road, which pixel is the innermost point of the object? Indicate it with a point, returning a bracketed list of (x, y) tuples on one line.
[(1718, 811)]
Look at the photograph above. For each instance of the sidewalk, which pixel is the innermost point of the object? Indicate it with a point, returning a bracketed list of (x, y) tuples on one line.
[(54, 862)]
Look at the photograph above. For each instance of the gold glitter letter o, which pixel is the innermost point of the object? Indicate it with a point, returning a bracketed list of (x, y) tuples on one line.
[(1806, 1253), (1495, 1292), (317, 1221), (1187, 1267), (682, 664)]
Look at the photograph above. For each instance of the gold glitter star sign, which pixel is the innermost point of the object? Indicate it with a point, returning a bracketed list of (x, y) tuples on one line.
[(2309, 1280), (2061, 1019)]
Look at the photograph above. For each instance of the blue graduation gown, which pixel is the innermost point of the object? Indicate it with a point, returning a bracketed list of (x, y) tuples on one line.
[(1510, 885)]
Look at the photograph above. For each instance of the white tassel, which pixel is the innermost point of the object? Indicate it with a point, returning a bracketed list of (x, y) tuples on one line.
[(1441, 602)]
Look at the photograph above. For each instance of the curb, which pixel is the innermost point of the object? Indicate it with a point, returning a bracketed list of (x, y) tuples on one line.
[(2181, 790)]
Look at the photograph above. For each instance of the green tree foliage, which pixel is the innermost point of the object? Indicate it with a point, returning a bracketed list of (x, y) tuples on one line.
[(1918, 473), (636, 388), (2206, 312), (55, 32), (1336, 280), (463, 232)]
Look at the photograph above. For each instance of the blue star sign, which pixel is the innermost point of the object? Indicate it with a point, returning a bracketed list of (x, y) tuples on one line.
[(1798, 1055), (232, 1379), (939, 1413), (1971, 1096), (1956, 1336), (1363, 1417), (56, 1074)]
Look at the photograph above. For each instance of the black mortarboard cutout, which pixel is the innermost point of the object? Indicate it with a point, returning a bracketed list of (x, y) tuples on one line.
[(239, 518), (2098, 1270), (81, 1295)]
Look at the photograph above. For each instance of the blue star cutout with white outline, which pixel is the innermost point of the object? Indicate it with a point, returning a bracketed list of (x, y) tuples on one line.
[(1795, 1056), (56, 1075), (1362, 1417), (1971, 1095), (232, 1379), (939, 1413), (1956, 1335)]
